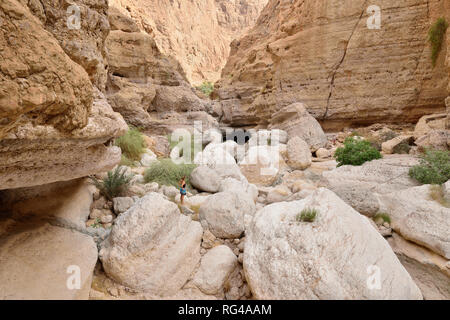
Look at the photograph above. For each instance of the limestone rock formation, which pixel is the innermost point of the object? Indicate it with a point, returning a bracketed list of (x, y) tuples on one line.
[(148, 88), (323, 54), (223, 214), (330, 258), (299, 154), (429, 270), (152, 247), (55, 126), (35, 263), (360, 186), (45, 244), (81, 27), (205, 179), (197, 34), (215, 268), (419, 218)]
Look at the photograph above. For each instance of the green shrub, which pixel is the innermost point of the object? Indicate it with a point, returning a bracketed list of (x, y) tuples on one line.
[(206, 87), (114, 184), (307, 215), (434, 167), (132, 144), (356, 152), (436, 37), (166, 172), (382, 217), (124, 161)]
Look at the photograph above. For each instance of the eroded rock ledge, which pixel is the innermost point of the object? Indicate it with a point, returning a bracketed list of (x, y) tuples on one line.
[(55, 123)]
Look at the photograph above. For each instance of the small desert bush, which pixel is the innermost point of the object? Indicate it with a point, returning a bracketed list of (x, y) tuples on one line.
[(115, 183), (436, 37), (434, 167), (307, 215), (166, 172), (382, 216), (356, 152), (206, 87), (437, 194), (124, 161), (132, 144)]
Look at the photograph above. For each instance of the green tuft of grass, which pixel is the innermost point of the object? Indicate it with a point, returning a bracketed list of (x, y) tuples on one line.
[(166, 172), (436, 37), (356, 152), (434, 167), (382, 216), (132, 144), (124, 161), (206, 87), (115, 183), (307, 215)]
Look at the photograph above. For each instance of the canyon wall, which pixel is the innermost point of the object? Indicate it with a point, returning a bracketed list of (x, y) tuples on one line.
[(323, 54), (55, 122), (148, 88), (196, 33)]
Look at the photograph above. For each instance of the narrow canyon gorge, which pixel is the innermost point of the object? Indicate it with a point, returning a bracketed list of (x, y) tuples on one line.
[(224, 150)]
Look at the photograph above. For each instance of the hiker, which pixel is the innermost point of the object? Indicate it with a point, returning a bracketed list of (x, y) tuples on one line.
[(182, 188)]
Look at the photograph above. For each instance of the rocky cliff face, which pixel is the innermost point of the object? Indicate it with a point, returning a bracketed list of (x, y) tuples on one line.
[(196, 33), (54, 121), (149, 89), (323, 54)]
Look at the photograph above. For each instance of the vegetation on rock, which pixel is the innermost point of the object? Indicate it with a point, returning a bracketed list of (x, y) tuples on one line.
[(307, 215), (434, 167), (115, 183), (436, 37), (166, 172), (206, 87), (356, 152), (132, 145), (382, 217)]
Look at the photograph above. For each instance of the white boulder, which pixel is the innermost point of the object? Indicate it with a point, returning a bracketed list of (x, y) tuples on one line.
[(152, 247), (215, 268), (223, 214), (338, 256)]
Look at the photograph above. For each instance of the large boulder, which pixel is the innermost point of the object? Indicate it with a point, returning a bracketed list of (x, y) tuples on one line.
[(396, 145), (221, 158), (360, 186), (205, 179), (243, 188), (296, 121), (428, 123), (299, 155), (429, 270), (42, 262), (434, 139), (419, 218), (223, 214), (215, 268), (262, 164), (152, 247), (338, 256)]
